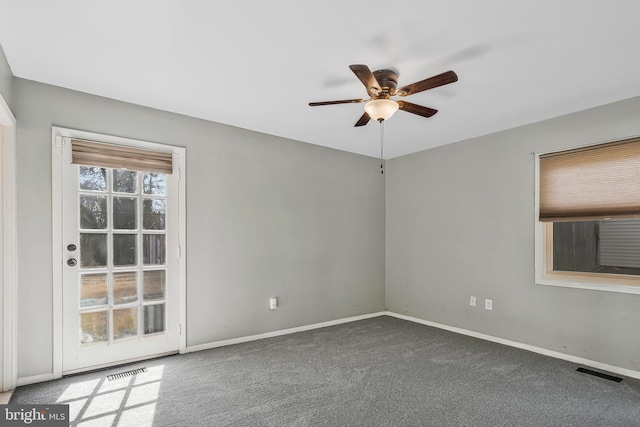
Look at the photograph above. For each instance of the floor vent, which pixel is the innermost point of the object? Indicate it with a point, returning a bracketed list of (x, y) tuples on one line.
[(126, 374), (599, 374)]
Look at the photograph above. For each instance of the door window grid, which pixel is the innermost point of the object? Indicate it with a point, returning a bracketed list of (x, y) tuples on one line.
[(131, 315)]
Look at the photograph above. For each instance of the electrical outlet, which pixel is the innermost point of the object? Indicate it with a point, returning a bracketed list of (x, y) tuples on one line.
[(488, 304), (472, 301), (273, 303)]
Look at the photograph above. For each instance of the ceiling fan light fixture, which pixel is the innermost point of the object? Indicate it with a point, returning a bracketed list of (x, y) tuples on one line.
[(381, 109)]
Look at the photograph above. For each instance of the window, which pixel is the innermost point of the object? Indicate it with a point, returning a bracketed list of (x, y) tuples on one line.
[(588, 217)]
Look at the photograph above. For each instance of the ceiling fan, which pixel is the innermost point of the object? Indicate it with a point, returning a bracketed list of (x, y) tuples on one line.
[(381, 86)]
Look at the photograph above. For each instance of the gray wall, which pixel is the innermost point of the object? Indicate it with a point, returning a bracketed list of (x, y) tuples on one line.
[(6, 80), (265, 216), (460, 222), (268, 216)]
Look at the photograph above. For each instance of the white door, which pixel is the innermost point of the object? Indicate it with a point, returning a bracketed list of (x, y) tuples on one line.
[(120, 271)]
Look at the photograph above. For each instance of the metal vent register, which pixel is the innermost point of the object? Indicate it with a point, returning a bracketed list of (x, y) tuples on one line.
[(599, 374), (126, 374)]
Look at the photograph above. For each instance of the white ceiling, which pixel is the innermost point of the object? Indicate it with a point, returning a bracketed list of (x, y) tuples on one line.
[(256, 64)]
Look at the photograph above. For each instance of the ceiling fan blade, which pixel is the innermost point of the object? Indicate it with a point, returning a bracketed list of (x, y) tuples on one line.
[(366, 77), (416, 109), (363, 120), (344, 101), (430, 83)]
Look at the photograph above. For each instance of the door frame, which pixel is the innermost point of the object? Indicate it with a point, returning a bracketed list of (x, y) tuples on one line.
[(8, 309), (59, 136)]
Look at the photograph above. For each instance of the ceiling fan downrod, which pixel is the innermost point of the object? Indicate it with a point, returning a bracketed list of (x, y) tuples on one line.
[(381, 146)]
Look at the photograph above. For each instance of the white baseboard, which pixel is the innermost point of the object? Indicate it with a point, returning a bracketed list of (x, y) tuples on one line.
[(5, 397), (34, 379), (574, 359), (48, 377), (118, 363), (528, 347), (240, 340)]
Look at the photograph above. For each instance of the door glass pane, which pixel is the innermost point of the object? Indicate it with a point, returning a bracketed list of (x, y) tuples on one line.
[(153, 249), (153, 318), (93, 290), (93, 212), (124, 181), (93, 327), (125, 287), (154, 183), (93, 250), (153, 285), (125, 322), (124, 213), (124, 249), (93, 179), (153, 214)]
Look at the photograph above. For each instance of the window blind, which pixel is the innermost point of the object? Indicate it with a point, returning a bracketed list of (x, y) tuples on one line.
[(93, 153), (602, 181)]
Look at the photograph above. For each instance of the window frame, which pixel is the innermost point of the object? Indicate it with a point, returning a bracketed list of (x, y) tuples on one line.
[(544, 273)]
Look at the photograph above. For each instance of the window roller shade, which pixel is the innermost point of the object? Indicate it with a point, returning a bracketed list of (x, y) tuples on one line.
[(92, 153), (597, 182)]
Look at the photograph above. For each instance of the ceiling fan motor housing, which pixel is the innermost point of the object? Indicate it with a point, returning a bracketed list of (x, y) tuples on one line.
[(388, 81)]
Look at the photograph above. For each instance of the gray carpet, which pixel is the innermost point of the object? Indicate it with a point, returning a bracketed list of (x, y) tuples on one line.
[(377, 372)]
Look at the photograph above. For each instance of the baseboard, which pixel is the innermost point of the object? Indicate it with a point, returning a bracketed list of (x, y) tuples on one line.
[(570, 358), (34, 379), (94, 368), (48, 377), (5, 397), (240, 340), (528, 347)]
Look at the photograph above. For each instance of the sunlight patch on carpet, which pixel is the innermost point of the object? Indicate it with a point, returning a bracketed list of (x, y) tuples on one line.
[(128, 398)]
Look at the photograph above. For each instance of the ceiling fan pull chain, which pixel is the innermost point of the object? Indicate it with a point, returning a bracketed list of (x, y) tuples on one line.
[(382, 146)]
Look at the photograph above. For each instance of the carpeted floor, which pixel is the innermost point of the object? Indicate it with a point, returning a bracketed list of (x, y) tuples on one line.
[(377, 372)]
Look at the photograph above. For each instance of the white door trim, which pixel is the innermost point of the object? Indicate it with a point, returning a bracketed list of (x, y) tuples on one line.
[(58, 136), (9, 369)]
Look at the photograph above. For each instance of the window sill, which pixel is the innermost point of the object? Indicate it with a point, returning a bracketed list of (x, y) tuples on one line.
[(594, 286)]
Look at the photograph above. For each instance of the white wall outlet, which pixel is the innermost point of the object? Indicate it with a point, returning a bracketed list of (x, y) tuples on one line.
[(472, 301), (488, 304), (273, 303)]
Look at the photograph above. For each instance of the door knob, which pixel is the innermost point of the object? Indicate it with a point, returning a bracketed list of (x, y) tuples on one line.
[(71, 262)]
